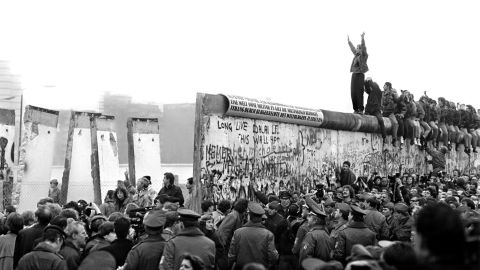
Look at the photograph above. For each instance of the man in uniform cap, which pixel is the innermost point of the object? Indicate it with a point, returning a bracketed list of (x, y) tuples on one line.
[(45, 255), (147, 253), (189, 240), (285, 201), (253, 242), (317, 242), (355, 233), (341, 216)]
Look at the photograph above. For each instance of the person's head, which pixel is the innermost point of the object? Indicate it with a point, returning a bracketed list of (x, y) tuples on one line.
[(53, 183), (347, 191), (55, 209), (43, 215), (28, 218), (387, 86), (206, 222), (224, 206), (76, 232), (387, 209), (189, 185), (44, 201), (114, 216), (59, 221), (372, 203), (241, 206), (400, 255), (122, 227), (207, 206), (434, 241), (109, 196), (346, 165), (14, 222), (95, 223), (55, 236), (191, 262), (273, 208), (69, 213), (358, 49), (342, 211), (121, 194), (168, 179), (72, 205), (107, 231), (314, 219)]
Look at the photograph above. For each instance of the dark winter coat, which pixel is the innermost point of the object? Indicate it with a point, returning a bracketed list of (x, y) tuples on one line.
[(119, 249), (43, 257), (420, 110), (25, 241), (376, 222), (401, 107), (389, 101), (401, 228), (347, 177), (466, 119), (317, 244), (145, 255), (443, 114), (411, 109), (354, 233), (72, 255), (189, 240), (174, 194), (374, 101), (252, 243)]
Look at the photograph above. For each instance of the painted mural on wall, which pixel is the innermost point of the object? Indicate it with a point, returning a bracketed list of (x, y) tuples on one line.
[(240, 156)]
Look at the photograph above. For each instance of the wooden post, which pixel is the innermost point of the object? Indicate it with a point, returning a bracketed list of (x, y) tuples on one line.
[(95, 166), (68, 160), (131, 152), (197, 192)]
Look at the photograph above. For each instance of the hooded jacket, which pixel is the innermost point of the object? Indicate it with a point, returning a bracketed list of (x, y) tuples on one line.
[(43, 257)]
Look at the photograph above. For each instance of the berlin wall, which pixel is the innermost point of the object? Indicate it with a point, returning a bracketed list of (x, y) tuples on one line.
[(7, 154), (91, 161), (244, 145), (143, 135), (36, 157)]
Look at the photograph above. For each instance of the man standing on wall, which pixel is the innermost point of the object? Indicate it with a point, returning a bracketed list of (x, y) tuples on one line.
[(358, 68), (347, 177), (54, 191)]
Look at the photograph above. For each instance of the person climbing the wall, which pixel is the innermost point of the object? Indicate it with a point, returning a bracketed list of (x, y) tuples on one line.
[(358, 68), (438, 159), (374, 104)]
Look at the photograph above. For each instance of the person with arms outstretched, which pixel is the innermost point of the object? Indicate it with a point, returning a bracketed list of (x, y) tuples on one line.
[(358, 68)]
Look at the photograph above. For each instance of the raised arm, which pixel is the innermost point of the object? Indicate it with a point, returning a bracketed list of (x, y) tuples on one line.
[(351, 46), (364, 48)]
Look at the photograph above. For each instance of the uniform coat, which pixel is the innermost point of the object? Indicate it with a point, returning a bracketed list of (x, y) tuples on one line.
[(7, 248), (43, 257), (252, 243), (317, 244), (189, 240), (355, 233), (119, 249), (376, 222), (146, 254), (72, 255)]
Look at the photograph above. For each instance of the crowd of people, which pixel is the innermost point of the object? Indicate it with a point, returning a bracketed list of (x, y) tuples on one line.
[(384, 222), (397, 222), (423, 122)]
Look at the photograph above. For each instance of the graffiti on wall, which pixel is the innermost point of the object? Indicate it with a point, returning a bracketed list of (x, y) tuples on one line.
[(241, 156)]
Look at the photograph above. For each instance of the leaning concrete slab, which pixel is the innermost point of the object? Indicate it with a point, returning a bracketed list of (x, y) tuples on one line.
[(36, 157), (144, 150)]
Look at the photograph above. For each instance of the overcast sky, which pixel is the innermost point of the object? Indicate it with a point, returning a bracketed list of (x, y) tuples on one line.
[(294, 52)]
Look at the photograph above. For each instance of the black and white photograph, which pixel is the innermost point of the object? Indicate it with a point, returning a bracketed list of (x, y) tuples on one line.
[(239, 135)]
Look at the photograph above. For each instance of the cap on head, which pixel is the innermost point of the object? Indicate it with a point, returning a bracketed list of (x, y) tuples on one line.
[(401, 208), (154, 218), (255, 208), (285, 195), (358, 210), (187, 214)]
